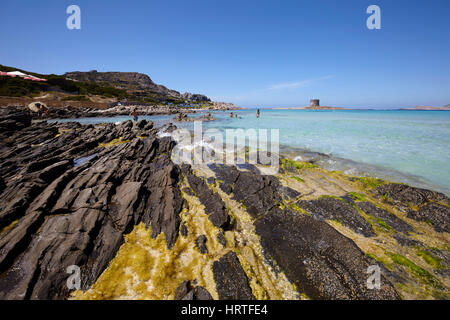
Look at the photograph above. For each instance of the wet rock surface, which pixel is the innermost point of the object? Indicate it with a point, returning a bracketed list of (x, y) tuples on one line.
[(200, 243), (231, 281), (434, 214), (320, 261), (214, 205), (420, 204), (186, 291), (340, 210), (258, 193), (378, 213), (55, 215), (402, 193)]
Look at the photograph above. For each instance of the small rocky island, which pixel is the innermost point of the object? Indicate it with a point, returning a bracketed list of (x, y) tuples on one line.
[(110, 200)]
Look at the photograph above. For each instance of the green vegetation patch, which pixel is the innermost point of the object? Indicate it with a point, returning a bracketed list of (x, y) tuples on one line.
[(429, 258), (299, 165), (358, 196), (76, 98), (421, 273), (379, 259), (382, 224), (330, 196), (370, 182), (295, 207), (298, 179)]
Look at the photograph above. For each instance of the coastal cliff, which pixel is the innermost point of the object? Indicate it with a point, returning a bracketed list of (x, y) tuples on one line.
[(110, 200), (95, 90)]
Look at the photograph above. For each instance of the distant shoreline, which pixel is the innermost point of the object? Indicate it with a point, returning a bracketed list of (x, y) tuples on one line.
[(361, 109)]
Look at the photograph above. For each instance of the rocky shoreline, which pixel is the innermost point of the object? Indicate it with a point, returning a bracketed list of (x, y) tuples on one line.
[(69, 112), (110, 200)]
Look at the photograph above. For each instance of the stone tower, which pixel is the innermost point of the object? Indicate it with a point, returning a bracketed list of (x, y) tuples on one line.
[(314, 103)]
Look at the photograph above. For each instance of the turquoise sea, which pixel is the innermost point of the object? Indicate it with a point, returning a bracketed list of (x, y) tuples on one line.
[(404, 146)]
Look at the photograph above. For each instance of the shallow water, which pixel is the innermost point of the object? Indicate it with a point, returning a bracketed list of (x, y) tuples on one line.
[(405, 146)]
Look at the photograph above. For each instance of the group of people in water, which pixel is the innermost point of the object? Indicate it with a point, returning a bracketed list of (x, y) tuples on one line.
[(235, 115), (134, 114)]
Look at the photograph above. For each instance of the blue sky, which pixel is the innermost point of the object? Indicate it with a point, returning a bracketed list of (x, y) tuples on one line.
[(252, 53)]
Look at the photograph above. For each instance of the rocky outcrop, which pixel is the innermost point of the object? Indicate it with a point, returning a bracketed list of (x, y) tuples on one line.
[(340, 210), (420, 204), (14, 119), (214, 205), (195, 97), (390, 219), (133, 82), (402, 193), (77, 215), (435, 214), (231, 281), (321, 262), (183, 117)]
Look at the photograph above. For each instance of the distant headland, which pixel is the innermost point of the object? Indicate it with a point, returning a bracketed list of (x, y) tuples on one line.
[(314, 104), (444, 108)]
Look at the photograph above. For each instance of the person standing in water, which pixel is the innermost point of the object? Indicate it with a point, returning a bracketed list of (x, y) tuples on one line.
[(257, 113), (134, 114), (231, 114)]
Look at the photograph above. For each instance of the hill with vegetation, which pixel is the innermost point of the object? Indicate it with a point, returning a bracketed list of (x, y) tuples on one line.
[(82, 86)]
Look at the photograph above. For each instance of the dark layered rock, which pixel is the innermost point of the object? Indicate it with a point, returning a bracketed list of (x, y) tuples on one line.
[(221, 238), (214, 205), (257, 192), (230, 278), (392, 220), (185, 291), (402, 193), (420, 204), (434, 214), (337, 209), (13, 119), (58, 214), (200, 243), (321, 262)]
